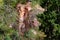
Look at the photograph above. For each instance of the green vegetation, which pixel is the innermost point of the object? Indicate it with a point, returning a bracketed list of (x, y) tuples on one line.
[(50, 20)]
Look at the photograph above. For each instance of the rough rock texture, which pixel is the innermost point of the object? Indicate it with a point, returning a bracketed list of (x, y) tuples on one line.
[(28, 15)]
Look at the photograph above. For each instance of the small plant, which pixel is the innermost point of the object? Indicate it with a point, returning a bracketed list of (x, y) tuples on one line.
[(34, 34)]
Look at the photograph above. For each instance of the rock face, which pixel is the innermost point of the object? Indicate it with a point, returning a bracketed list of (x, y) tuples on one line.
[(32, 15), (27, 16)]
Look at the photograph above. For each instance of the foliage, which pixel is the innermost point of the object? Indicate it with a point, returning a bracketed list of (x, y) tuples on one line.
[(50, 19), (35, 34), (7, 17)]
